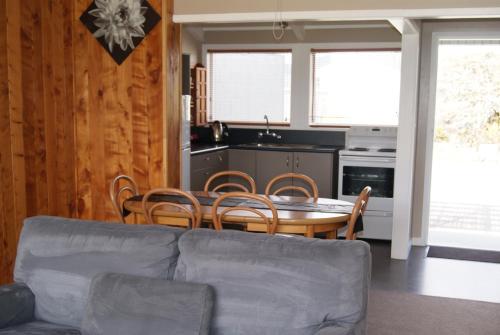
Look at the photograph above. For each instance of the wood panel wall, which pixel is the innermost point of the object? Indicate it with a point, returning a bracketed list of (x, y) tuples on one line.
[(72, 119)]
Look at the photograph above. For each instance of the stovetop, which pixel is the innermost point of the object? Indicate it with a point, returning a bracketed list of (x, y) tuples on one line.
[(373, 152)]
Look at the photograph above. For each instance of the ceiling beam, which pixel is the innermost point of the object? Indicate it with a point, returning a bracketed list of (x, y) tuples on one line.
[(299, 31), (343, 15), (397, 23), (197, 32)]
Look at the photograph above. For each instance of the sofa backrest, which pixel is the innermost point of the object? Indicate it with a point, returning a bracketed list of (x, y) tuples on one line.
[(57, 258), (275, 284)]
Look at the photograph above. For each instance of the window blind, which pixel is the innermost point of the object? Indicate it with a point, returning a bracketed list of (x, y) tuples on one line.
[(246, 85), (355, 87)]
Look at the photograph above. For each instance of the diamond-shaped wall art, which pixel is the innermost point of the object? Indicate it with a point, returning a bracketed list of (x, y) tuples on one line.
[(120, 25)]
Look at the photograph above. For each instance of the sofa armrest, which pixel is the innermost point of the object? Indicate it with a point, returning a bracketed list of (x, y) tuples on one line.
[(17, 304)]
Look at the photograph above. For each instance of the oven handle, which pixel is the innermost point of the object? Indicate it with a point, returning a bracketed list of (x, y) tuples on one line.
[(366, 159)]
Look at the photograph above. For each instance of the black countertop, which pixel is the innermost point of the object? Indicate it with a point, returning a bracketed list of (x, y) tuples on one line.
[(203, 148)]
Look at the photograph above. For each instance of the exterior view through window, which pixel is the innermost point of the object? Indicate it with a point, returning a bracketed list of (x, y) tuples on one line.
[(246, 85), (359, 87)]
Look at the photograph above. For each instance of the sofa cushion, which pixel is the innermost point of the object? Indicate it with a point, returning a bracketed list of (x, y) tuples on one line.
[(58, 257), (39, 328), (130, 305), (277, 285)]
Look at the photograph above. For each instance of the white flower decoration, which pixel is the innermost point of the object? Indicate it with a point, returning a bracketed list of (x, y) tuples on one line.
[(118, 21)]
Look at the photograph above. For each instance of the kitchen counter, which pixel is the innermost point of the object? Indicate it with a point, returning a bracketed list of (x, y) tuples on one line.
[(204, 148), (287, 147)]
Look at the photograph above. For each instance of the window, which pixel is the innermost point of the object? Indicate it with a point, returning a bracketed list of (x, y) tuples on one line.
[(246, 85), (358, 87)]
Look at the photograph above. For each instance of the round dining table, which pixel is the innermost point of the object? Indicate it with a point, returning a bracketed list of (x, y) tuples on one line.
[(304, 222)]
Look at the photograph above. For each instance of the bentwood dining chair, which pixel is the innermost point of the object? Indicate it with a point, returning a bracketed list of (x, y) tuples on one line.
[(189, 215), (358, 209), (116, 191), (291, 176), (240, 176), (219, 215)]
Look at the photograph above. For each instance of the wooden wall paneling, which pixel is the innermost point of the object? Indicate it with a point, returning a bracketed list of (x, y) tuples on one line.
[(6, 176), (49, 107), (96, 129), (111, 127), (154, 99), (12, 166), (40, 167), (69, 112), (140, 129), (172, 95), (82, 96), (29, 103)]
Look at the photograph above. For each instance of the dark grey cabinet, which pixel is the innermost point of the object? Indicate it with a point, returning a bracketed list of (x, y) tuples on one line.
[(264, 165), (205, 165), (269, 165), (243, 160), (318, 166)]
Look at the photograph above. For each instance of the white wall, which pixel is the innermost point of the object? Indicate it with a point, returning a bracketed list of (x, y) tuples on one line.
[(301, 74)]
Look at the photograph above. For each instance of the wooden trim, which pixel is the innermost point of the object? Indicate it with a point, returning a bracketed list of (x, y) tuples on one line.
[(315, 50), (270, 50)]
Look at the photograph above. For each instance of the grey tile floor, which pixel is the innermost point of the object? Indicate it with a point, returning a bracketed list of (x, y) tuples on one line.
[(434, 276)]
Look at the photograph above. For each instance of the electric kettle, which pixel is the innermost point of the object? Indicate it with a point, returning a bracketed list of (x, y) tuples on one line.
[(219, 132)]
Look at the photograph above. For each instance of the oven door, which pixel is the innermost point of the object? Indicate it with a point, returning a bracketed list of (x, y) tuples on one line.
[(356, 172)]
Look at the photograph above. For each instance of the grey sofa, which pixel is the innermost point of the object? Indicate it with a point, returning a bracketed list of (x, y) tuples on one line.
[(87, 277)]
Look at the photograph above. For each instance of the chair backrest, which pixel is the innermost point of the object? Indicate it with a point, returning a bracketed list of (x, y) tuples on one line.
[(218, 217), (358, 209), (308, 180), (365, 195), (115, 192), (234, 174), (193, 212)]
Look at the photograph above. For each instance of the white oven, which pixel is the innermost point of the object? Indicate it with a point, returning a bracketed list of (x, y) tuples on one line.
[(356, 172), (369, 160)]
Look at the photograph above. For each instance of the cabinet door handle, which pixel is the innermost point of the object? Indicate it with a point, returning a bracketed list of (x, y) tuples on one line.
[(297, 162), (287, 161), (220, 158)]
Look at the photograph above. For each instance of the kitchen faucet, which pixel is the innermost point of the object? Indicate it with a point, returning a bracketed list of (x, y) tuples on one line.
[(268, 133)]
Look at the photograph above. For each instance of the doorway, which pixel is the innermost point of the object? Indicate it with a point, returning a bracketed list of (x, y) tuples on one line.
[(465, 183)]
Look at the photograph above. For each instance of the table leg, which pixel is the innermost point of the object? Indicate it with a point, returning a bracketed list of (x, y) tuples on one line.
[(310, 231), (331, 235)]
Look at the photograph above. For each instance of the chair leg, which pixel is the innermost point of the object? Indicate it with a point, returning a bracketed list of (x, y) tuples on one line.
[(331, 235)]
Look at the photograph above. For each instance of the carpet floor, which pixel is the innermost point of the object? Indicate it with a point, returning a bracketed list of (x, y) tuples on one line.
[(402, 313)]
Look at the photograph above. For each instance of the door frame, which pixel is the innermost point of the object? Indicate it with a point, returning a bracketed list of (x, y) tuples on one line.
[(431, 108)]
